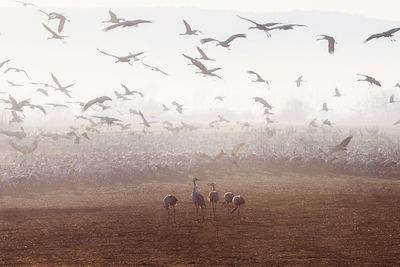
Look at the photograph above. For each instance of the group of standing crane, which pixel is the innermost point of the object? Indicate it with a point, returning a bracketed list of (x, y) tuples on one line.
[(231, 201)]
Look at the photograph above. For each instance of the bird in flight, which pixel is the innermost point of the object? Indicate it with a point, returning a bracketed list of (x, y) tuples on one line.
[(189, 30), (54, 15), (54, 34), (127, 23), (259, 26), (131, 92), (331, 42), (124, 58), (203, 69), (90, 103), (369, 79), (387, 34), (259, 79), (62, 89), (225, 43), (262, 101), (155, 69), (343, 145), (178, 106)]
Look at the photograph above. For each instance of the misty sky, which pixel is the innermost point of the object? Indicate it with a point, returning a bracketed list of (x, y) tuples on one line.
[(280, 59)]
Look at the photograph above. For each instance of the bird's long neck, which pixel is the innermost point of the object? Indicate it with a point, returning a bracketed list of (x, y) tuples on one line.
[(194, 187)]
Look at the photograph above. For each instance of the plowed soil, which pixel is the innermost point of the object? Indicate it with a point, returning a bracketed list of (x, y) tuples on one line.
[(288, 219)]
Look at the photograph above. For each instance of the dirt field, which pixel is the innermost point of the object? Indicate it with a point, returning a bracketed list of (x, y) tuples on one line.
[(288, 219)]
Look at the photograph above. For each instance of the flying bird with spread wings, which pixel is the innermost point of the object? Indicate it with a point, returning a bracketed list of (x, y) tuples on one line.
[(262, 101), (386, 34), (96, 100), (127, 23), (369, 79), (225, 43), (189, 30), (331, 42), (127, 58)]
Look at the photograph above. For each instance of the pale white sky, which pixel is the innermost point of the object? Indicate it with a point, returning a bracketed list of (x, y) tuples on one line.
[(279, 59), (384, 9)]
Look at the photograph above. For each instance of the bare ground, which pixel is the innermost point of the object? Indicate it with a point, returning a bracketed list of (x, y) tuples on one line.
[(288, 219)]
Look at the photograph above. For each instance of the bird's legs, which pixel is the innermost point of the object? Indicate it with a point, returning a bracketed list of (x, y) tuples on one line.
[(174, 213), (168, 215)]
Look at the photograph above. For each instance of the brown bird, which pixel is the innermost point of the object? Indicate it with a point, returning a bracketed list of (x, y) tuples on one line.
[(90, 103), (189, 30), (225, 43), (343, 145), (331, 42), (127, 23), (387, 34), (369, 79)]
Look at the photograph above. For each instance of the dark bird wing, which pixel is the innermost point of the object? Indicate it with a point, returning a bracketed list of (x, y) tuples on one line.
[(248, 20), (94, 101), (345, 141), (114, 26), (255, 73), (206, 40), (61, 24), (233, 37), (203, 55), (187, 26), (376, 35), (50, 30), (112, 15), (105, 53), (55, 80)]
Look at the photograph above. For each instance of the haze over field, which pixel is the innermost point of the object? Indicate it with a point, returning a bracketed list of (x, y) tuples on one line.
[(280, 59)]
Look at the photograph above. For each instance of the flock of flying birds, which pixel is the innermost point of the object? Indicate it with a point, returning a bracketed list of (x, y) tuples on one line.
[(17, 106)]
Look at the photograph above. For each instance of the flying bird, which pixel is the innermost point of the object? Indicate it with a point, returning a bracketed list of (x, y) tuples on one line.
[(203, 69), (62, 89), (331, 42), (123, 58), (189, 30), (259, 26), (259, 79), (387, 34), (225, 43), (262, 101), (131, 92), (155, 69), (54, 34), (343, 145), (90, 103), (127, 23), (178, 106), (220, 98), (369, 79)]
